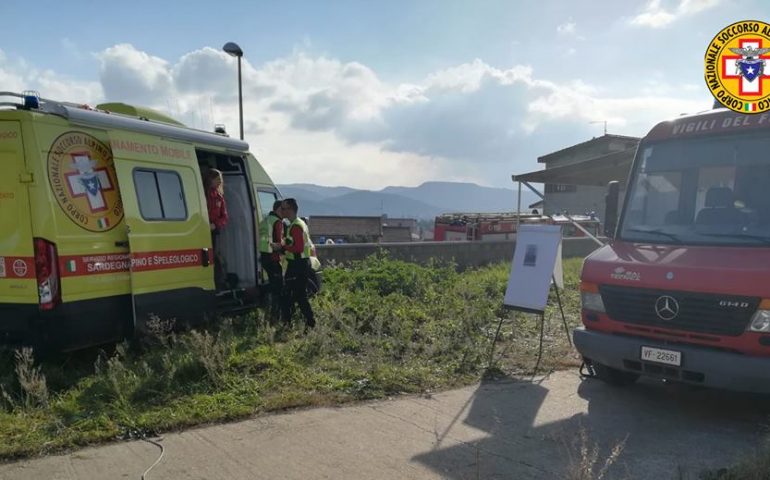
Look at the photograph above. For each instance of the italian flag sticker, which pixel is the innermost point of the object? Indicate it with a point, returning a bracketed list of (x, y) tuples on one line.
[(72, 266), (103, 223), (749, 107)]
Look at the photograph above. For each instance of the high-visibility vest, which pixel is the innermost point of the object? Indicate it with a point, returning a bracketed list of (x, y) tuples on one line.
[(306, 252), (266, 232)]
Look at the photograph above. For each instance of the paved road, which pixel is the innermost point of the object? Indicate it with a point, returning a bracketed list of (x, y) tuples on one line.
[(497, 430)]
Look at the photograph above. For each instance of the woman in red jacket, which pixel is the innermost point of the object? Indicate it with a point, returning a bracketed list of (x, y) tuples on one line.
[(217, 207)]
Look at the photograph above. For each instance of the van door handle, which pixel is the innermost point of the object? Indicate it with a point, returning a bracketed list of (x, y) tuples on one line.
[(205, 257), (121, 243)]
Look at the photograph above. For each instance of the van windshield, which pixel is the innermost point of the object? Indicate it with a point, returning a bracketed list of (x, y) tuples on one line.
[(710, 191)]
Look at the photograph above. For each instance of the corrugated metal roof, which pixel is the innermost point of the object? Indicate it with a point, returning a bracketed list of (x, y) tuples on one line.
[(593, 172), (603, 139)]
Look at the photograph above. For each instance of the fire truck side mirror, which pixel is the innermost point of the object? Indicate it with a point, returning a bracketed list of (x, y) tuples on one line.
[(611, 208)]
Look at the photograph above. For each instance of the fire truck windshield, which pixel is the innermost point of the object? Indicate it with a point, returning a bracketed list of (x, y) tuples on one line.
[(706, 191)]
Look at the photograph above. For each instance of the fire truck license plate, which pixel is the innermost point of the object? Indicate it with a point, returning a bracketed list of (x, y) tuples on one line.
[(658, 355)]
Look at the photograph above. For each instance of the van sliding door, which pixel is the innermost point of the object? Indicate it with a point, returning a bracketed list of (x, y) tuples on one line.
[(172, 275)]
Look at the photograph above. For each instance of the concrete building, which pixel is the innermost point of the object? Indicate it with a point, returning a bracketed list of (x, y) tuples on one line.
[(391, 234), (410, 223), (362, 229), (576, 177), (400, 229)]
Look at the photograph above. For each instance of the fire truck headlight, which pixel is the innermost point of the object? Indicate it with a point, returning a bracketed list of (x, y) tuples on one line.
[(760, 322), (592, 301)]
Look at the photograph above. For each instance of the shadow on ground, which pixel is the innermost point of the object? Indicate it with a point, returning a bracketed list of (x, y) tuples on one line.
[(671, 431)]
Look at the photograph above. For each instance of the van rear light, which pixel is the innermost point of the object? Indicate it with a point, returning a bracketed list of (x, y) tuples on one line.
[(47, 273)]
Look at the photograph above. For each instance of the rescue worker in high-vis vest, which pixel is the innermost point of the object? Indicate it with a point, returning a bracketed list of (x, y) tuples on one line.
[(270, 247), (298, 248)]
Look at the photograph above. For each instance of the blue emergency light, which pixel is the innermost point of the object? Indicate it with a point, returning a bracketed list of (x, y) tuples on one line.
[(31, 99)]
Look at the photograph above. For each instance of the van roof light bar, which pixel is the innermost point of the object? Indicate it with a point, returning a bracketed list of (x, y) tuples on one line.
[(31, 99)]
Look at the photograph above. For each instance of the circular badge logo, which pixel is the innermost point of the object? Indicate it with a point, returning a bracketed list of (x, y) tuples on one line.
[(83, 181), (20, 268), (736, 70), (667, 308)]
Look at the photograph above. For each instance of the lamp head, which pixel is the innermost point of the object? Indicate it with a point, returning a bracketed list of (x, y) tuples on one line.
[(233, 49)]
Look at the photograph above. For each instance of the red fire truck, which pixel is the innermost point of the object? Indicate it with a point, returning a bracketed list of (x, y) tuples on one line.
[(502, 226), (682, 292)]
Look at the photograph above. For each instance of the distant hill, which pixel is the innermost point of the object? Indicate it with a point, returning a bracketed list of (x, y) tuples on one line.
[(364, 202), (290, 191), (318, 192), (464, 197), (423, 202)]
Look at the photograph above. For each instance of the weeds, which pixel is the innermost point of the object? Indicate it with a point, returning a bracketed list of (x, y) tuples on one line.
[(211, 353), (584, 458), (384, 327), (159, 330), (32, 384)]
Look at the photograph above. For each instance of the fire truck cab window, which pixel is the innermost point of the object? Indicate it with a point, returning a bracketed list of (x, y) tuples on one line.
[(701, 191)]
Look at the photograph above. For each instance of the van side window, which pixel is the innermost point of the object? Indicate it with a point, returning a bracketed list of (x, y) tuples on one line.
[(266, 200), (160, 195)]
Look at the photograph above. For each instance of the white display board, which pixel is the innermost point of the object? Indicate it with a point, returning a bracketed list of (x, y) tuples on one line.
[(536, 260)]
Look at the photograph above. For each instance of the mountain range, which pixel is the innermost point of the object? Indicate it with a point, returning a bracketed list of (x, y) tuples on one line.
[(422, 202)]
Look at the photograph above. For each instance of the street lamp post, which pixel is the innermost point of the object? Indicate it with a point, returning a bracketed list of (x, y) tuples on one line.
[(234, 50)]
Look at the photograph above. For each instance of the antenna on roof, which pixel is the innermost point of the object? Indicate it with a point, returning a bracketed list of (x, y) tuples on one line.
[(601, 121)]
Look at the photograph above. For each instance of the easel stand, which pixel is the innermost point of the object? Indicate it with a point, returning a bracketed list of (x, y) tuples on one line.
[(541, 313), (535, 268)]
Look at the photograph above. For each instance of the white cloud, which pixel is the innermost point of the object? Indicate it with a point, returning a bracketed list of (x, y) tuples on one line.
[(687, 7), (133, 76), (655, 15), (567, 28), (322, 120), (17, 75), (341, 121)]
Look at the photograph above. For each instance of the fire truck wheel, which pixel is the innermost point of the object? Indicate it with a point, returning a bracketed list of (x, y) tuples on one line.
[(613, 376)]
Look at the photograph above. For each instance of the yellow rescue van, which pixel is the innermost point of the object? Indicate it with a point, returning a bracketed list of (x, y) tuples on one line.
[(104, 222)]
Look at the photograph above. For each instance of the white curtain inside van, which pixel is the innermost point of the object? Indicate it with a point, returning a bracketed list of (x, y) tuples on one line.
[(238, 237)]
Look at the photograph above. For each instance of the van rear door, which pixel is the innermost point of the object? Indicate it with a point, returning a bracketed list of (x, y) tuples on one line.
[(18, 284), (266, 194), (172, 275)]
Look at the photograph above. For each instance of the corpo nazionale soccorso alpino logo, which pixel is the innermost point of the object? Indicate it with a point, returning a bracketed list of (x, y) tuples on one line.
[(736, 71), (83, 180)]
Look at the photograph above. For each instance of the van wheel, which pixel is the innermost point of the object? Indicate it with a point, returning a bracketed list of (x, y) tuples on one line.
[(613, 376)]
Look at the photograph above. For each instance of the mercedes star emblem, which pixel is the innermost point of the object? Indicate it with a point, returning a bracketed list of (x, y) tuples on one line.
[(667, 308)]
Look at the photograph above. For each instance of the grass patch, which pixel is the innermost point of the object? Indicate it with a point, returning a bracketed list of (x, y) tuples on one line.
[(385, 327)]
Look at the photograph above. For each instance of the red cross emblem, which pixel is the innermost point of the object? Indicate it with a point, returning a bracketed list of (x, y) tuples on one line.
[(88, 181), (730, 70)]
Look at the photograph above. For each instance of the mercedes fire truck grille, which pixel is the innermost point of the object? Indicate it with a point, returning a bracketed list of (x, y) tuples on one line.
[(692, 312)]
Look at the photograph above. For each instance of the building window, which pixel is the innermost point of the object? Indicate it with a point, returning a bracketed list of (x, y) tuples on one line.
[(160, 195), (557, 188)]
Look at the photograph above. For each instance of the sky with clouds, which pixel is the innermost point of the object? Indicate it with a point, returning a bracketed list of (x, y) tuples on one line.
[(371, 94)]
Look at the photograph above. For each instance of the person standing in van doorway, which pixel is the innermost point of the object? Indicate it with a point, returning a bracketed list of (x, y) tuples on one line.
[(297, 246), (270, 247), (217, 207)]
